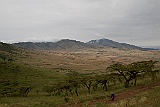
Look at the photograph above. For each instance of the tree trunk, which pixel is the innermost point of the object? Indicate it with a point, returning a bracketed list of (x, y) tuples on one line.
[(76, 91), (135, 81), (127, 84)]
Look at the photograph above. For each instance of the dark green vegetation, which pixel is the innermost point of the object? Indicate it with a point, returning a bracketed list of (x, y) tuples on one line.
[(7, 47), (134, 70), (7, 51), (25, 85)]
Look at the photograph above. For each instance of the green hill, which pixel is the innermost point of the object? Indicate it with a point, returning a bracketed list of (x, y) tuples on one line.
[(7, 47), (32, 81), (7, 51)]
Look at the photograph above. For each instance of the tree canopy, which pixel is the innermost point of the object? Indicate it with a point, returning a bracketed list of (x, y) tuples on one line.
[(131, 71)]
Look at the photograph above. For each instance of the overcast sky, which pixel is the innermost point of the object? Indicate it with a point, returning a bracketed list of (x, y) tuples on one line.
[(131, 21)]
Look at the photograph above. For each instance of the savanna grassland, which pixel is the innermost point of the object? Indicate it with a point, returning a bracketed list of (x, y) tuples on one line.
[(86, 60), (78, 78)]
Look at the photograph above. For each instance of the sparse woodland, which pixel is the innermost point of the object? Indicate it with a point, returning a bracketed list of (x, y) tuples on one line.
[(23, 84)]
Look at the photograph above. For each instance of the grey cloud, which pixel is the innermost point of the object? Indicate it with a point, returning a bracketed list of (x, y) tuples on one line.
[(121, 20)]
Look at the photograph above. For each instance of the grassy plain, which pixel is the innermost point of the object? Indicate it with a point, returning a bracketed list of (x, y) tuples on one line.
[(86, 61), (41, 68)]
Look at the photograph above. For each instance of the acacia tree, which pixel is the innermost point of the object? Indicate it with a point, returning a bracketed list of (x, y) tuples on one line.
[(145, 67), (74, 80), (24, 90), (131, 71), (48, 89), (148, 68), (153, 74), (122, 70), (75, 83), (87, 81), (103, 80)]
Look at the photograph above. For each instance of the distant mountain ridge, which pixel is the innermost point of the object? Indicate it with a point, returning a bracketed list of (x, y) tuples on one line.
[(113, 44), (152, 47), (66, 44)]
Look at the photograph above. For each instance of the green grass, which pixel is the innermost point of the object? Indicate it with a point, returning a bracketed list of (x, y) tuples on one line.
[(38, 77), (31, 101), (150, 98)]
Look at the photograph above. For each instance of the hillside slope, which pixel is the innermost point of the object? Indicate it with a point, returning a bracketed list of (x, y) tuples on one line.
[(72, 45), (64, 44), (7, 51), (110, 43), (7, 47)]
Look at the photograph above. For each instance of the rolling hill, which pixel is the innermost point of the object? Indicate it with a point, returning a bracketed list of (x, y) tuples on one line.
[(7, 47), (66, 44), (44, 73), (113, 44), (7, 51)]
